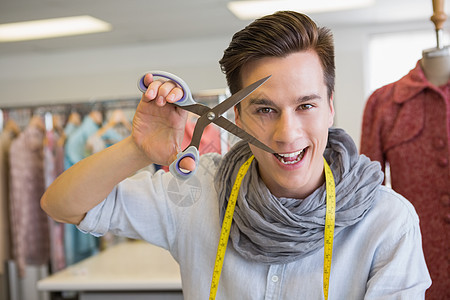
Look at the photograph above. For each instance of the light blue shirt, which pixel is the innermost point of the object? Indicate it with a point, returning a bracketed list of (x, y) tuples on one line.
[(75, 147), (70, 128), (78, 246), (380, 257)]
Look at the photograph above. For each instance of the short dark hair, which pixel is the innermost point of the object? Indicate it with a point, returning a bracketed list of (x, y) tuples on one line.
[(278, 35)]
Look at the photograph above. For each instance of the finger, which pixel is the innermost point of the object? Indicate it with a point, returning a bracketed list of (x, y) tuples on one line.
[(166, 88), (152, 90), (168, 92), (175, 95), (148, 78), (187, 163), (148, 94)]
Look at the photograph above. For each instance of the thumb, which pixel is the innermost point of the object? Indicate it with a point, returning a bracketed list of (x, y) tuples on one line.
[(187, 163)]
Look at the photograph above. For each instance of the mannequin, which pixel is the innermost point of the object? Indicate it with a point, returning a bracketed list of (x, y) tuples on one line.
[(435, 62)]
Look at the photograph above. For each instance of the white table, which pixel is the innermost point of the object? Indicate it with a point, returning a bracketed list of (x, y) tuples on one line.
[(130, 270)]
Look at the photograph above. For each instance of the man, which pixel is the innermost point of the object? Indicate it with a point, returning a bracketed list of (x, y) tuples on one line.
[(276, 241)]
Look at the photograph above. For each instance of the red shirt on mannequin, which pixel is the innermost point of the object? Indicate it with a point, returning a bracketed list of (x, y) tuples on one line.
[(407, 124)]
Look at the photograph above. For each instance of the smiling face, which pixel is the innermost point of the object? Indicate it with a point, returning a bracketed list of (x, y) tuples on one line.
[(290, 113)]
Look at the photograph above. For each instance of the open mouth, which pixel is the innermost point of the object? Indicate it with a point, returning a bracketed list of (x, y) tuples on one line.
[(290, 158)]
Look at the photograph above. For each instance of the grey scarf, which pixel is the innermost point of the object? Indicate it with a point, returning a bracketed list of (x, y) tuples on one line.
[(275, 230)]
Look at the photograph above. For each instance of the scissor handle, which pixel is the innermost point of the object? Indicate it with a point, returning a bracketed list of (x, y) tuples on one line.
[(174, 167), (187, 95)]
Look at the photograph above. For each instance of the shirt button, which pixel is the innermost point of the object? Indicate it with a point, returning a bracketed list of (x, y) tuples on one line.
[(443, 162), (274, 278), (439, 143), (446, 219), (445, 200)]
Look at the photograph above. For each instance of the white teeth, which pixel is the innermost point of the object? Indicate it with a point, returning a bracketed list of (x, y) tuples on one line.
[(290, 162), (288, 156), (293, 154)]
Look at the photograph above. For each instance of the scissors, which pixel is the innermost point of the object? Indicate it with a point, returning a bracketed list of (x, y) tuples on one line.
[(207, 115)]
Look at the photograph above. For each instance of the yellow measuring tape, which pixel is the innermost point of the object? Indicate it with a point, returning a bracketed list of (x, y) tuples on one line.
[(329, 226), (226, 226)]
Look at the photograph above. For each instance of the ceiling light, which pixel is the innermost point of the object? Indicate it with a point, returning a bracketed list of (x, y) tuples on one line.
[(246, 10), (51, 28)]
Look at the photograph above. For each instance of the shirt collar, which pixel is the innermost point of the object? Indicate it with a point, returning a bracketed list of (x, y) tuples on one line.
[(411, 85)]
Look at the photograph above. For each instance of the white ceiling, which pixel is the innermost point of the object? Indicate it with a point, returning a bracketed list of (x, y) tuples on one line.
[(150, 21)]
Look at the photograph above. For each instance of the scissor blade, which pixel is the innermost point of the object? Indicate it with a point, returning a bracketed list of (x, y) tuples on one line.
[(234, 129), (198, 109), (238, 97)]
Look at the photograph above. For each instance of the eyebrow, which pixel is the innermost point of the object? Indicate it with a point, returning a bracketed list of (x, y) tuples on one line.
[(261, 101), (265, 101)]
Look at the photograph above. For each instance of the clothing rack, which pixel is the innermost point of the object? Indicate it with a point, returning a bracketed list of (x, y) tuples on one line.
[(23, 113), (84, 107), (81, 106)]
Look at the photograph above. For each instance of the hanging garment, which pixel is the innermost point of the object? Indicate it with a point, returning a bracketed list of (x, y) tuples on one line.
[(6, 138), (78, 245), (210, 142), (54, 166), (96, 143), (29, 223), (75, 147), (407, 124)]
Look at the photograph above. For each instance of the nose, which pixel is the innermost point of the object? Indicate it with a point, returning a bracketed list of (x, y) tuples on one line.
[(287, 128)]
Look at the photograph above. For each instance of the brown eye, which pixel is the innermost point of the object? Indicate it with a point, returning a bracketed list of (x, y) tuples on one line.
[(305, 107), (265, 110)]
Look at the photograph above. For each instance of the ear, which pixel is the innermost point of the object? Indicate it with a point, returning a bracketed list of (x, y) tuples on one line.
[(331, 113), (237, 117)]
